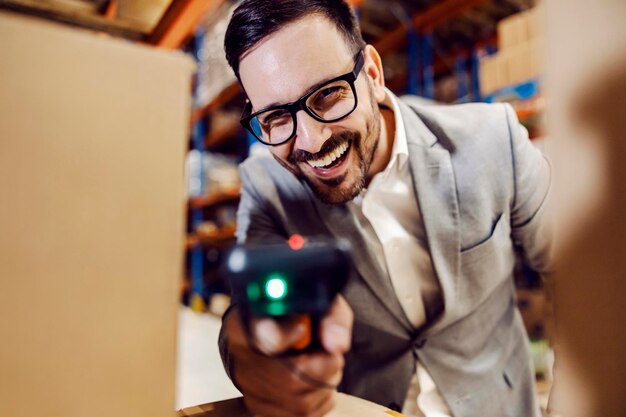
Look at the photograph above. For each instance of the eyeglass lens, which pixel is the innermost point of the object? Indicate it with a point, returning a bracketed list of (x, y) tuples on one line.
[(330, 102)]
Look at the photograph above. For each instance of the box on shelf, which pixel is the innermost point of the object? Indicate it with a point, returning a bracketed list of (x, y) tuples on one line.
[(512, 31), (535, 22), (486, 75), (537, 56), (519, 60), (494, 73), (521, 54), (501, 71), (521, 27)]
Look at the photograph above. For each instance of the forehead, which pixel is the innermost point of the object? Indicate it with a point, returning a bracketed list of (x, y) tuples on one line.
[(283, 66)]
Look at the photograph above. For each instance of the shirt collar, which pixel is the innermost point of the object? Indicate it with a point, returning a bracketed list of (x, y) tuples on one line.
[(399, 151)]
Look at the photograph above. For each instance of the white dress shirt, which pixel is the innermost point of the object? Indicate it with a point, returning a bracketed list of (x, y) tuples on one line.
[(390, 207)]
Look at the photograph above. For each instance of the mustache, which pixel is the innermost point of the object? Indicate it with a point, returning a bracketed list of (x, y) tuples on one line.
[(299, 155)]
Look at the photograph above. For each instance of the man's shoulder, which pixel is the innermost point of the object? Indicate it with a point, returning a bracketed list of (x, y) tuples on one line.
[(461, 117), (461, 125), (263, 172), (258, 162)]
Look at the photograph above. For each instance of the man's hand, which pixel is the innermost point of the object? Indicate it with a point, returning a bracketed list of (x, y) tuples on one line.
[(270, 387)]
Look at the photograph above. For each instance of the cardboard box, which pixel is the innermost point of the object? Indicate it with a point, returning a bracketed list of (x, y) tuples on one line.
[(521, 28), (494, 73), (537, 56), (535, 22), (501, 64), (520, 63), (512, 31), (487, 75), (93, 133), (512, 66)]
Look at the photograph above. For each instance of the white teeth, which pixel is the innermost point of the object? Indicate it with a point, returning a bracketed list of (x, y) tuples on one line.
[(329, 158)]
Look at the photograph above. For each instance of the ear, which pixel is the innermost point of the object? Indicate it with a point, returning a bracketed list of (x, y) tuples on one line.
[(374, 69)]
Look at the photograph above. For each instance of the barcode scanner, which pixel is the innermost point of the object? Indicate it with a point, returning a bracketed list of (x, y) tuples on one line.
[(292, 281)]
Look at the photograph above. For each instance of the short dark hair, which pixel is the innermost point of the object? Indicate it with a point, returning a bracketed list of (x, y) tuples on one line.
[(253, 20)]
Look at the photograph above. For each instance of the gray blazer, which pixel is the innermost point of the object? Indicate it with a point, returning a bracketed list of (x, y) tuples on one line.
[(481, 188)]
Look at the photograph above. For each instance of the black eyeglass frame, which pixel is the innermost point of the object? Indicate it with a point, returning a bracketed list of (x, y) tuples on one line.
[(300, 104)]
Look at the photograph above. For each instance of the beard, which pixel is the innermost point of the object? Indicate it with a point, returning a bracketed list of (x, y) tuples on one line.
[(346, 187)]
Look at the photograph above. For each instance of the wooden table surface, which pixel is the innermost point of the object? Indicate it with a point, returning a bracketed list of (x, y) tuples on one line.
[(347, 406)]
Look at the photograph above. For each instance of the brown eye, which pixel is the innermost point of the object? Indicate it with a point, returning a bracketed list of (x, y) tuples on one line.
[(274, 117), (329, 92), (328, 96)]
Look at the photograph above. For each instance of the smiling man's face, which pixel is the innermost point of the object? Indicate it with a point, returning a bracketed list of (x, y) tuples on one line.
[(334, 158)]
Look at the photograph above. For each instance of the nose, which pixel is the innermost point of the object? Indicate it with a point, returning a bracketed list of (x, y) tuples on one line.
[(310, 134)]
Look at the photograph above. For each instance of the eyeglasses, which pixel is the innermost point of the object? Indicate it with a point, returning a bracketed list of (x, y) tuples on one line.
[(328, 103)]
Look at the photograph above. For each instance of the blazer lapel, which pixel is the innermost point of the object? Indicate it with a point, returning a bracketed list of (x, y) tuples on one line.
[(341, 222), (435, 189)]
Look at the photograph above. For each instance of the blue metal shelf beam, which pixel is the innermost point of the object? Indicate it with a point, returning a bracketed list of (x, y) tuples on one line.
[(428, 73), (521, 91), (460, 73), (414, 62), (475, 75), (196, 215)]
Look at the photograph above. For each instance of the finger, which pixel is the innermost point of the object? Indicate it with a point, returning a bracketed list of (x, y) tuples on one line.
[(336, 327), (320, 369), (268, 336), (273, 338)]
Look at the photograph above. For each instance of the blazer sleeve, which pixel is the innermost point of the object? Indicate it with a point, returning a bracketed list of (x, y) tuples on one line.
[(256, 220), (532, 176), (256, 223)]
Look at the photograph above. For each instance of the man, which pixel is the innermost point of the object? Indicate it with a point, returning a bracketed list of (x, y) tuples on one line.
[(435, 201)]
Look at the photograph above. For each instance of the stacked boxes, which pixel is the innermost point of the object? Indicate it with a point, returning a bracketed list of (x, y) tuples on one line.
[(520, 52)]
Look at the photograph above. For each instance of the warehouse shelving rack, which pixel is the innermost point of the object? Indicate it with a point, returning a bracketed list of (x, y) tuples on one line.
[(416, 36)]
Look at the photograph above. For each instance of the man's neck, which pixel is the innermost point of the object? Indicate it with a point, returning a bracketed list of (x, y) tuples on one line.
[(385, 142)]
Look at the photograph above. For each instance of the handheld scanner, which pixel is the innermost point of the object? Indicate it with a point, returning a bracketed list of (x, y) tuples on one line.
[(288, 281)]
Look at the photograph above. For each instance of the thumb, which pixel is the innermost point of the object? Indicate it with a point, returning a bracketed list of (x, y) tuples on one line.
[(336, 327)]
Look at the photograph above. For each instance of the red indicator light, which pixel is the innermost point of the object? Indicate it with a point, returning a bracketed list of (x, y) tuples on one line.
[(296, 242)]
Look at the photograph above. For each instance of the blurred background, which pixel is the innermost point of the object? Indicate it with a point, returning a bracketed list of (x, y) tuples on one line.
[(559, 63)]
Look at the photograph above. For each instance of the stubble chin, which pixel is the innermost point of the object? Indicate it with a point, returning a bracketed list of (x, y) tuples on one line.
[(346, 187), (343, 191)]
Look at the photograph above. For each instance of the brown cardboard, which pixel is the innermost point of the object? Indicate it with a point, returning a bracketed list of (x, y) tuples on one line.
[(524, 61), (501, 77), (536, 22), (520, 62), (93, 132), (487, 75), (494, 72), (513, 65), (537, 56), (512, 31)]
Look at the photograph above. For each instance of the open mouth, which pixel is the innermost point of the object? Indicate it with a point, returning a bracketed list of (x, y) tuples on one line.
[(331, 159)]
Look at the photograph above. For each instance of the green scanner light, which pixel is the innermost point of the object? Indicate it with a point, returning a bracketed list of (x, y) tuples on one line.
[(276, 287)]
